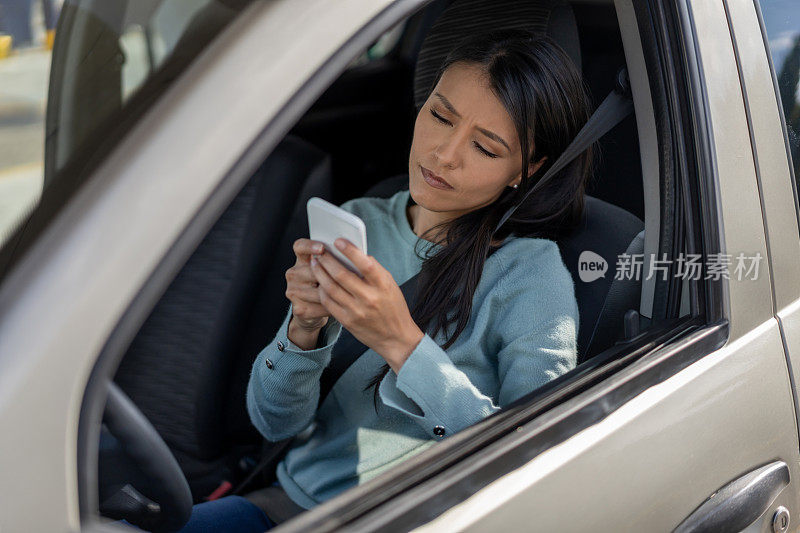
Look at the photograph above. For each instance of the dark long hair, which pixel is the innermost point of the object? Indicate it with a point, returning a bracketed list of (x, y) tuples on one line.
[(543, 93)]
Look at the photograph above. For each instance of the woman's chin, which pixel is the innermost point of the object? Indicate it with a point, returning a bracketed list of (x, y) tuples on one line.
[(419, 194), (424, 195)]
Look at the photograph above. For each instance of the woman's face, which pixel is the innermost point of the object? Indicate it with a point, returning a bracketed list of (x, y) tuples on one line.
[(463, 135)]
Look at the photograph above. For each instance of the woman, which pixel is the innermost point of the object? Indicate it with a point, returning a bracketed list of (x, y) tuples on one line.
[(495, 314)]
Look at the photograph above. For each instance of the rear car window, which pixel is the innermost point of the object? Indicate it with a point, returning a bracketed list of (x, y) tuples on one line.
[(782, 23), (74, 84)]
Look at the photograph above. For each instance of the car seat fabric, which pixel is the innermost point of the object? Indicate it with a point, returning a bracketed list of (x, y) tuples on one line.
[(623, 294), (465, 17), (266, 317), (606, 230), (177, 369)]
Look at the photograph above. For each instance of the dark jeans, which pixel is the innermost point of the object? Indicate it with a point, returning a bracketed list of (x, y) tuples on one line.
[(229, 513)]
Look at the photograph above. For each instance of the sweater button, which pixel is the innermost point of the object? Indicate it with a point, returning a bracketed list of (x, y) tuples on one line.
[(269, 364), (438, 431), (281, 346)]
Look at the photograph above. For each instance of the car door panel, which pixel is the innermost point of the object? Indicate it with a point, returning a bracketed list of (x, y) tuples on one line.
[(650, 463), (779, 201), (774, 177)]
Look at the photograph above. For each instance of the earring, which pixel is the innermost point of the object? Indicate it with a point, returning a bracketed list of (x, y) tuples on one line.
[(516, 186)]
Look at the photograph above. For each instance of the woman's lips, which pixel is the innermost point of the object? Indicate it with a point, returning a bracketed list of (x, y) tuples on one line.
[(433, 180)]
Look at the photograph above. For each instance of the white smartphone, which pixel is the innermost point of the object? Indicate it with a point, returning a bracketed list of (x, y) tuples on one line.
[(328, 222)]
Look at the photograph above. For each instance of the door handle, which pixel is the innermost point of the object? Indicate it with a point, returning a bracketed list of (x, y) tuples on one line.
[(739, 503)]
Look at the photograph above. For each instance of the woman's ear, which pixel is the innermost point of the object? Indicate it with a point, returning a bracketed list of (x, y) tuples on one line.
[(534, 167)]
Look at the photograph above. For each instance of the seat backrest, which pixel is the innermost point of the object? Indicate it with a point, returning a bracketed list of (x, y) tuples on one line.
[(606, 230), (178, 367)]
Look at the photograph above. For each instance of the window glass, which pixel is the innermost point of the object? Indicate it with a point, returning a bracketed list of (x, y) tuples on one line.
[(71, 72), (782, 22), (26, 37)]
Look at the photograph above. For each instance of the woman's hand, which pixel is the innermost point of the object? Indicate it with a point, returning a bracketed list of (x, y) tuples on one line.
[(373, 309), (302, 288)]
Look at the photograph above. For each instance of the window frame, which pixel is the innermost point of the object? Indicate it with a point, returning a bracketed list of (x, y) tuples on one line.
[(585, 395)]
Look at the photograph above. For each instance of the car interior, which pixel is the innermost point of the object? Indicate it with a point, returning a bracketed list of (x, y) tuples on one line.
[(187, 367)]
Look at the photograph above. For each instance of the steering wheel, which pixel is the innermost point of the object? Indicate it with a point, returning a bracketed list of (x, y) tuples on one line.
[(147, 454)]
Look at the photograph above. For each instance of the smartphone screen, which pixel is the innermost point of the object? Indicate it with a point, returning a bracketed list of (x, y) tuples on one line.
[(328, 222)]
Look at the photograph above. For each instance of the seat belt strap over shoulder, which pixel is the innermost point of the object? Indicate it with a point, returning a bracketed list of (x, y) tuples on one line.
[(617, 105)]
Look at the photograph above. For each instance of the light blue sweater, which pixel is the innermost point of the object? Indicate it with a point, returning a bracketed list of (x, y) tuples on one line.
[(522, 334)]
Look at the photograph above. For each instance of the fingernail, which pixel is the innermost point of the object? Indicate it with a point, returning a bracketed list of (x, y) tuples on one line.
[(340, 244), (318, 248)]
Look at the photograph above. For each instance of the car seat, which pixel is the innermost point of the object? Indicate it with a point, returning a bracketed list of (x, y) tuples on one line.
[(181, 367), (464, 17)]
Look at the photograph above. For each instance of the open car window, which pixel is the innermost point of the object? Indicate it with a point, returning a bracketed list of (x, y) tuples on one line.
[(61, 112), (782, 24)]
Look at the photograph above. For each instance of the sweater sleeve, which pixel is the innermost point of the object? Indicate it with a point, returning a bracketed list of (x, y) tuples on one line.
[(538, 342), (283, 390)]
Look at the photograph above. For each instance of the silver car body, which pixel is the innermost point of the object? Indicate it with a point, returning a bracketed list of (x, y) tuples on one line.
[(645, 465)]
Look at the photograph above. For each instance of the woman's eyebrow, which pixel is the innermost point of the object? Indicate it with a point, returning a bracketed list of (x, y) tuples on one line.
[(491, 135)]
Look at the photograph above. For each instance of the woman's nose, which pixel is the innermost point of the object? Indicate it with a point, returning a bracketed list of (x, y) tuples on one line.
[(448, 151)]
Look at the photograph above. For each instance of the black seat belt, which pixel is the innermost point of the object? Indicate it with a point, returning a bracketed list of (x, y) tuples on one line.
[(616, 106), (347, 348)]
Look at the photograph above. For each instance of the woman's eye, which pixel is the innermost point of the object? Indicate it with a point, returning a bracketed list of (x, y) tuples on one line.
[(478, 146), (482, 149), (439, 117)]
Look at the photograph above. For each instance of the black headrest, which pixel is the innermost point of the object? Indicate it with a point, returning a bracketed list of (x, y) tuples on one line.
[(465, 17)]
